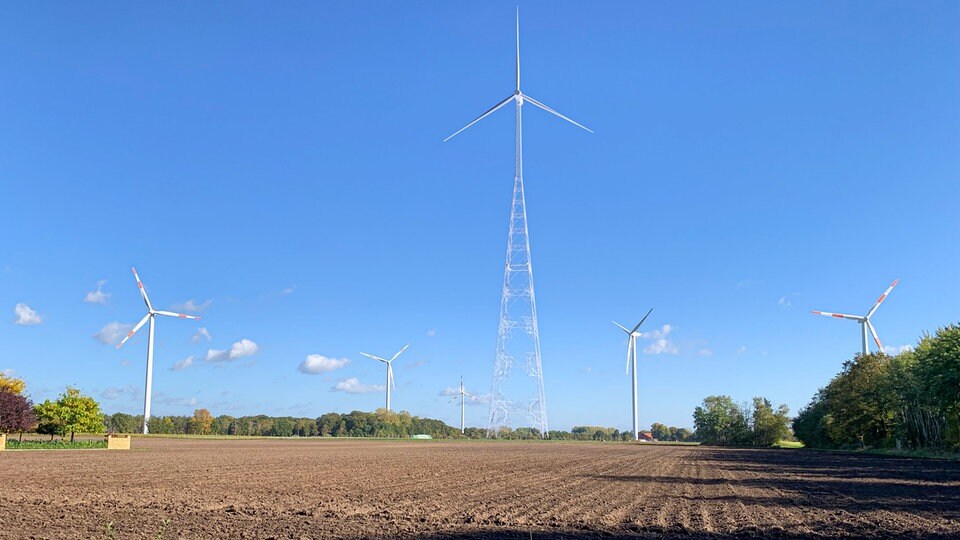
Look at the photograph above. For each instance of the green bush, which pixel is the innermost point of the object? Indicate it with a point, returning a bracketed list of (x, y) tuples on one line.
[(53, 445)]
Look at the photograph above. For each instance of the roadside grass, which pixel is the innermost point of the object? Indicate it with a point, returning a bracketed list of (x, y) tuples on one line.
[(788, 444), (33, 444)]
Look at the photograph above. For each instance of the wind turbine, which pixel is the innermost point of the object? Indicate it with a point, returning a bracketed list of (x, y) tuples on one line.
[(151, 315), (632, 354), (519, 97), (462, 395), (865, 320), (517, 302), (389, 364)]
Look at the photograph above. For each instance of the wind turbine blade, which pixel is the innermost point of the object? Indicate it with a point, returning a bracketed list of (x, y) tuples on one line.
[(179, 315), (518, 48), (143, 292), (390, 375), (882, 297), (481, 117), (637, 327), (454, 399), (399, 352), (875, 336), (621, 326), (838, 315), (134, 331), (374, 357), (630, 346), (551, 111)]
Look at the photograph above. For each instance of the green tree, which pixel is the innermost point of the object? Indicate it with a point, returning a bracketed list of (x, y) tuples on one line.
[(122, 423), (769, 426), (71, 413), (721, 422), (938, 366), (660, 432)]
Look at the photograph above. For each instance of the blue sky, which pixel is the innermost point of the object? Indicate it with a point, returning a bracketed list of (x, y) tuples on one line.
[(280, 169)]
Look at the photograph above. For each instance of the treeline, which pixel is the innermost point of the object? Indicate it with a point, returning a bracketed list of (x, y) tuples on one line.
[(720, 421), (908, 400), (72, 412), (355, 424), (360, 424)]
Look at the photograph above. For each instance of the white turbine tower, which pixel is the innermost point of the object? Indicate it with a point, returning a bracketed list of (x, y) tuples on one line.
[(151, 314), (864, 321), (389, 364), (518, 335), (632, 336), (462, 395)]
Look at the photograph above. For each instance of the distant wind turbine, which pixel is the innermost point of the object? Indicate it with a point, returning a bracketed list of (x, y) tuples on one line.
[(864, 321), (389, 364), (462, 395), (632, 336), (151, 314)]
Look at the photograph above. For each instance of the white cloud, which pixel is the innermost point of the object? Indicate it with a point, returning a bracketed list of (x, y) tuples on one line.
[(287, 291), (661, 344), (893, 351), (191, 305), (128, 393), (174, 401), (183, 364), (243, 348), (125, 363), (317, 363), (112, 333), (432, 332), (98, 296), (26, 316), (240, 349), (705, 352), (784, 302), (742, 349), (202, 333), (354, 386), (8, 372)]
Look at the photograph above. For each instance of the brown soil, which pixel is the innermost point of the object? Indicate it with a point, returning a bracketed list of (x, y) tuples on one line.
[(375, 489)]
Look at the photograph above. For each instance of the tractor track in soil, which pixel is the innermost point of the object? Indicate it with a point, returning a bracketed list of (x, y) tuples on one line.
[(321, 488)]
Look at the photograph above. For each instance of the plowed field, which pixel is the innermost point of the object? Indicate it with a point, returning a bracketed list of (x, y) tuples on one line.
[(375, 489)]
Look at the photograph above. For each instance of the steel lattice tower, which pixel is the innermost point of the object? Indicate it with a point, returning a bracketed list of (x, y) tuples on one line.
[(518, 336)]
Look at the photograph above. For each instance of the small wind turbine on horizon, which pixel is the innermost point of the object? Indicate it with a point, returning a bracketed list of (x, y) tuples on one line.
[(864, 321), (632, 336), (389, 364), (462, 395), (151, 315)]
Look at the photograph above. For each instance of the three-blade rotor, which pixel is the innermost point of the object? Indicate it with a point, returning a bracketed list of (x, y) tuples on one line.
[(150, 311), (632, 336), (389, 363), (518, 96), (864, 320)]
